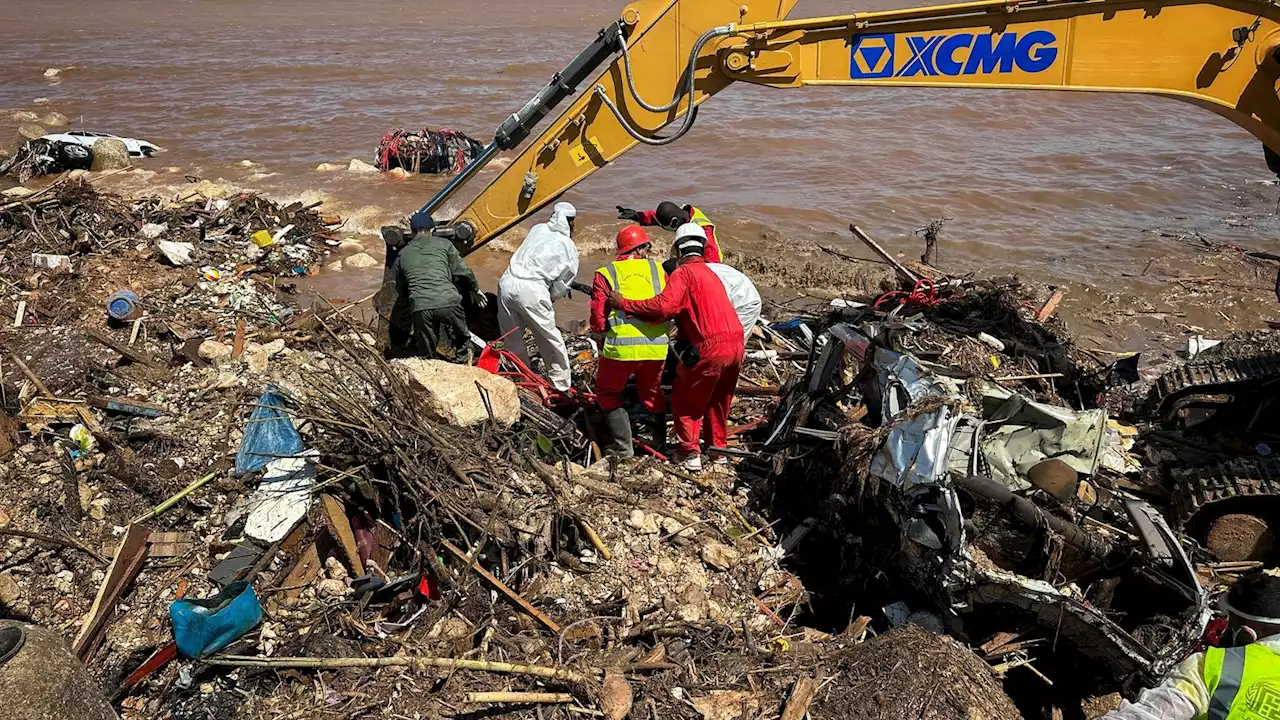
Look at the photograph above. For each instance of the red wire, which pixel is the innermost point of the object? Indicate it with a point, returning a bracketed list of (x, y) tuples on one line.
[(923, 293)]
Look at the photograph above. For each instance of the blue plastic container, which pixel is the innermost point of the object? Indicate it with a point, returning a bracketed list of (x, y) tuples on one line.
[(124, 306)]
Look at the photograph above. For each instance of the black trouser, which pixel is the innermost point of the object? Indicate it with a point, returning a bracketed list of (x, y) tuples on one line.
[(444, 328)]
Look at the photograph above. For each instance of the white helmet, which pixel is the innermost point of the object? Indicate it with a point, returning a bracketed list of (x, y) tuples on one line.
[(691, 239)]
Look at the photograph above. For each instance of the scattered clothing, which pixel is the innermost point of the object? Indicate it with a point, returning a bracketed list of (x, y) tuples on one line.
[(539, 274), (742, 293)]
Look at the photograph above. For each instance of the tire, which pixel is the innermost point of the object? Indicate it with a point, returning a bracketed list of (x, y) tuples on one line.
[(75, 153)]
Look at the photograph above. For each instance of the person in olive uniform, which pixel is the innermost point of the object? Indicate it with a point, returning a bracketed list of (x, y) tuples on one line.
[(431, 278)]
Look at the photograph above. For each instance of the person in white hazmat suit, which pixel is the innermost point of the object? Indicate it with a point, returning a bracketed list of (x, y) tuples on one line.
[(742, 293), (539, 274)]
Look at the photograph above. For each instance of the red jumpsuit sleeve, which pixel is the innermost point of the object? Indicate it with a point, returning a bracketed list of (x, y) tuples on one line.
[(664, 306), (712, 253), (599, 315), (648, 218)]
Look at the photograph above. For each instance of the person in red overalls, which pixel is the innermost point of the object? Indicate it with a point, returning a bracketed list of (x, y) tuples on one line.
[(708, 372), (629, 345), (671, 216)]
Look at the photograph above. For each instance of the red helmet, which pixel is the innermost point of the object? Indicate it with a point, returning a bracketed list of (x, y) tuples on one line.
[(630, 238)]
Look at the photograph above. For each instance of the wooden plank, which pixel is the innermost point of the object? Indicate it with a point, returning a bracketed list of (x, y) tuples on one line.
[(866, 239), (1046, 311), (124, 567), (128, 406), (125, 351), (515, 597), (335, 516), (801, 697), (304, 572), (32, 376), (171, 544), (237, 345)]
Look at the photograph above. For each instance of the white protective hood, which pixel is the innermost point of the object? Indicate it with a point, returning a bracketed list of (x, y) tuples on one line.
[(548, 254)]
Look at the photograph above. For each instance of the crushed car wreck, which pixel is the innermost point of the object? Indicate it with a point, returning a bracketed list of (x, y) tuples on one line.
[(994, 513)]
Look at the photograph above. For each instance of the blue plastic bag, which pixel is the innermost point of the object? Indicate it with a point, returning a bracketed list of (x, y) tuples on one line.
[(203, 627), (270, 435)]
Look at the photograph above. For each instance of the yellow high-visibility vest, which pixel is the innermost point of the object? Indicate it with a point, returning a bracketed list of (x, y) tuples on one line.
[(699, 217), (1243, 682), (629, 338)]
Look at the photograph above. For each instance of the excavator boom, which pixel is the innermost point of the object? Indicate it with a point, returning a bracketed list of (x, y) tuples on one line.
[(665, 57)]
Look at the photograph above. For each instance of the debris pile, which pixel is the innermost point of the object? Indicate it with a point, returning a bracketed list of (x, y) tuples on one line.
[(940, 506), (435, 152)]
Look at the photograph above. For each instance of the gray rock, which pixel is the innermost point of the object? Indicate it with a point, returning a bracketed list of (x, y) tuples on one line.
[(44, 681), (109, 154)]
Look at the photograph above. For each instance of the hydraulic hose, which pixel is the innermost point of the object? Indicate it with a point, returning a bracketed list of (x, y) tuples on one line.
[(691, 112)]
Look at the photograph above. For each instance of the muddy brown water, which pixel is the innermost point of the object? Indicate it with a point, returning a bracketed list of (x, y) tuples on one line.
[(1082, 189)]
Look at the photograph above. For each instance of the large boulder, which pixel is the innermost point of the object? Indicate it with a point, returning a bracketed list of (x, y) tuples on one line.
[(55, 119), (44, 681), (360, 261), (452, 396), (110, 154)]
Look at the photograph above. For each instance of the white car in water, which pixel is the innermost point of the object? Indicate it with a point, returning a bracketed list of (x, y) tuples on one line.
[(136, 148)]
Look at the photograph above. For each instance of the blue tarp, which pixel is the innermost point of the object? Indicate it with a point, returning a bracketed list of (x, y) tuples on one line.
[(270, 435)]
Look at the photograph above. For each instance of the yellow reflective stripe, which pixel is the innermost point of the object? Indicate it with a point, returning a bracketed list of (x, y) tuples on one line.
[(611, 274), (654, 272)]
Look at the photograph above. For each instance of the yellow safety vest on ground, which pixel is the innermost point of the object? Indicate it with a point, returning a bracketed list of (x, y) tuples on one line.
[(699, 217), (628, 338), (1243, 683)]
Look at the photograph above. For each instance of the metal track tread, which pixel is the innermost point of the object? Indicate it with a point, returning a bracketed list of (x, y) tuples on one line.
[(1197, 488), (1210, 379)]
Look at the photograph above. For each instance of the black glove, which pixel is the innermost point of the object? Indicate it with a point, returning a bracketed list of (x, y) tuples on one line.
[(628, 214)]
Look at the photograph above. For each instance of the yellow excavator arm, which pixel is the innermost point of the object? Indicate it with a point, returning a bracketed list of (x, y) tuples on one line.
[(665, 57)]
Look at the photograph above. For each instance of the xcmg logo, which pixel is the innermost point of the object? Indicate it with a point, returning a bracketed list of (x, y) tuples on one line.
[(877, 56)]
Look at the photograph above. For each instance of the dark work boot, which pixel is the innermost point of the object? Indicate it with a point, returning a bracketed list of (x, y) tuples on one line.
[(657, 431), (619, 424)]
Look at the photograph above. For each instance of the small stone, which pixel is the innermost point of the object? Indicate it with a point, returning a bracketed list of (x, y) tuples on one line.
[(18, 192), (275, 347), (328, 167), (151, 231), (334, 569), (360, 166), (208, 189), (98, 509), (331, 588), (719, 556), (360, 261), (10, 591), (247, 163), (397, 173), (636, 519), (350, 247), (51, 72), (255, 357), (671, 526), (63, 582), (333, 267), (214, 351), (226, 380), (693, 604), (206, 688), (451, 628), (4, 519), (24, 116)]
